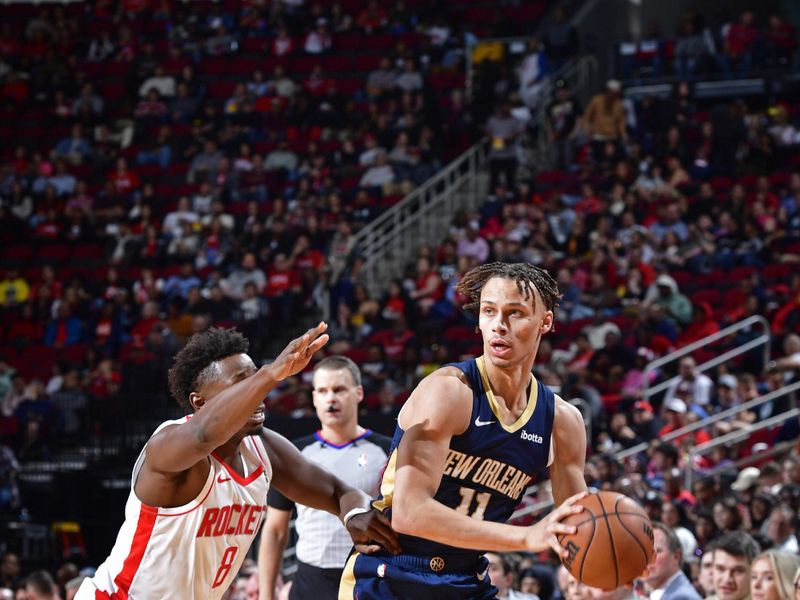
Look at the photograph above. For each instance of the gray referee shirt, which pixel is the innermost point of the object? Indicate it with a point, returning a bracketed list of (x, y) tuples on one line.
[(323, 542)]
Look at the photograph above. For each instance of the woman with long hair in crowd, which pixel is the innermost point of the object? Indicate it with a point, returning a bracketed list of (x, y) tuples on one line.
[(773, 575)]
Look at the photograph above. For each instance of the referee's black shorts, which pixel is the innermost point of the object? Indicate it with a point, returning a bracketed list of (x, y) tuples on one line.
[(316, 583)]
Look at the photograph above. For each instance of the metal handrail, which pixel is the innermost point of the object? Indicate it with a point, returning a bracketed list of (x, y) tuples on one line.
[(720, 416), (423, 215), (735, 436), (765, 338), (545, 504), (747, 460)]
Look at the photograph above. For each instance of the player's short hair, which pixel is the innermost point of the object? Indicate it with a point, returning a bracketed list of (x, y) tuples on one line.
[(673, 543), (335, 363), (529, 279), (739, 544), (196, 363), (41, 582)]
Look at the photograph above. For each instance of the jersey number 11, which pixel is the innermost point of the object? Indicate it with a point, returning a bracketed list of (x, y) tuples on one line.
[(467, 494)]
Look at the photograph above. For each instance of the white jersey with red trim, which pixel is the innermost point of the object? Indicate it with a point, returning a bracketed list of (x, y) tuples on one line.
[(191, 552)]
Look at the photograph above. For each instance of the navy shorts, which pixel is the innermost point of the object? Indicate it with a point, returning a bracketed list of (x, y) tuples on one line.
[(387, 577)]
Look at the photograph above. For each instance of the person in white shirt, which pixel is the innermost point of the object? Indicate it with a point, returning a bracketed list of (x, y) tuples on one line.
[(664, 577), (701, 385), (378, 175), (780, 529), (502, 577)]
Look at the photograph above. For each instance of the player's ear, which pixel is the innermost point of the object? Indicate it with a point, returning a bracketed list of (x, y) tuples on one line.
[(360, 393), (547, 322), (196, 400)]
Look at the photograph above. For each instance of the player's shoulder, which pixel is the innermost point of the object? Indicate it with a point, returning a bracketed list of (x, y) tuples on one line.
[(567, 413), (442, 399)]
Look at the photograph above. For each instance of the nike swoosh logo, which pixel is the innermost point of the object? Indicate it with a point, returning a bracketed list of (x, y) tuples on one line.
[(221, 480), (479, 423)]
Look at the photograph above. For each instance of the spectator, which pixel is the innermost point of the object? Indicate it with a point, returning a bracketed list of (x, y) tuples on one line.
[(533, 74), (503, 131), (282, 45), (248, 272), (772, 575), (676, 306), (733, 556), (705, 576), (410, 79), (74, 148), (282, 158), (380, 175), (664, 576), (382, 80), (40, 586), (318, 41), (604, 120), (563, 116), (14, 290), (204, 165), (502, 576), (160, 81), (63, 330), (88, 102), (178, 285), (739, 46), (473, 246), (781, 530), (780, 41), (560, 39), (173, 221), (700, 384)]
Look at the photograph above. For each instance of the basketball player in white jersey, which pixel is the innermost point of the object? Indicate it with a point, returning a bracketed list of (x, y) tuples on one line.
[(199, 487)]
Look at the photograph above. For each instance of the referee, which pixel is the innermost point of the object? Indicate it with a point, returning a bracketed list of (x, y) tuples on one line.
[(341, 446)]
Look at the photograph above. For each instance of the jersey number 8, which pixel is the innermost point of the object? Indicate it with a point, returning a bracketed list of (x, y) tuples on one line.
[(225, 565)]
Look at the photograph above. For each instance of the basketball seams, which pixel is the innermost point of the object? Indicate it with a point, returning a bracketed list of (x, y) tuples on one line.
[(589, 544), (630, 533), (611, 540)]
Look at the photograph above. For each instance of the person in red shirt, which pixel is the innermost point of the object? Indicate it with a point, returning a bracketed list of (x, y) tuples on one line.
[(780, 41), (283, 288), (125, 181), (739, 45), (675, 415), (428, 287)]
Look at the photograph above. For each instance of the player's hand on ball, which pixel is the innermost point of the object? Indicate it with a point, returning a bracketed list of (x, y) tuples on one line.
[(297, 354), (371, 532), (543, 535)]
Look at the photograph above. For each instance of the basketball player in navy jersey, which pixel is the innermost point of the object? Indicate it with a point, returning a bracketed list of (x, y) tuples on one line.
[(468, 442)]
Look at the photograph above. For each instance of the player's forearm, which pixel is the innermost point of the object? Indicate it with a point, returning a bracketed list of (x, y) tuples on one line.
[(434, 521), (232, 408), (270, 555)]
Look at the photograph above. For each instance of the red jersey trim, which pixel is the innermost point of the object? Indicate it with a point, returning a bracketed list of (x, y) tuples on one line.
[(144, 529), (236, 477)]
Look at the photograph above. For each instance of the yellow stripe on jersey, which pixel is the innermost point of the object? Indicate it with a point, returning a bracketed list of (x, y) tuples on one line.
[(526, 414), (387, 484), (347, 585)]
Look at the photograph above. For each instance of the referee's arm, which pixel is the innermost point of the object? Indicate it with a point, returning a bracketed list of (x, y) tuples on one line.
[(273, 543)]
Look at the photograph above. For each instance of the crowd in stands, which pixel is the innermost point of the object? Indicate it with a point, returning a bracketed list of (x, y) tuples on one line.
[(229, 190), (724, 46)]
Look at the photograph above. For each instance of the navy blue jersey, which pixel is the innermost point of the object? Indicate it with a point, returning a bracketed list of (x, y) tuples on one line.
[(490, 465)]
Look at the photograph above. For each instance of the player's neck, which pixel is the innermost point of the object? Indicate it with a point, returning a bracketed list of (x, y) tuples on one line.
[(229, 450), (339, 436), (509, 384)]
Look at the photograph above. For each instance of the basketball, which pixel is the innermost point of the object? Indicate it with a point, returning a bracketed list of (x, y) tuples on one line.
[(613, 544)]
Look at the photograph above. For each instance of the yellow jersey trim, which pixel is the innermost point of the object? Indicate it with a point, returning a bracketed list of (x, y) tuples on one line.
[(494, 404)]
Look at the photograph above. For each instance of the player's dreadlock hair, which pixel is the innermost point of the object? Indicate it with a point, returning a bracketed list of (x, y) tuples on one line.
[(527, 276), (196, 363)]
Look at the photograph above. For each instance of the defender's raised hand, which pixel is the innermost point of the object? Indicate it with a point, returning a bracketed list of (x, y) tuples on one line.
[(297, 354)]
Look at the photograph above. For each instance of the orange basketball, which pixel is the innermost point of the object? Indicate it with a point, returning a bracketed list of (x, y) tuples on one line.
[(613, 544)]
